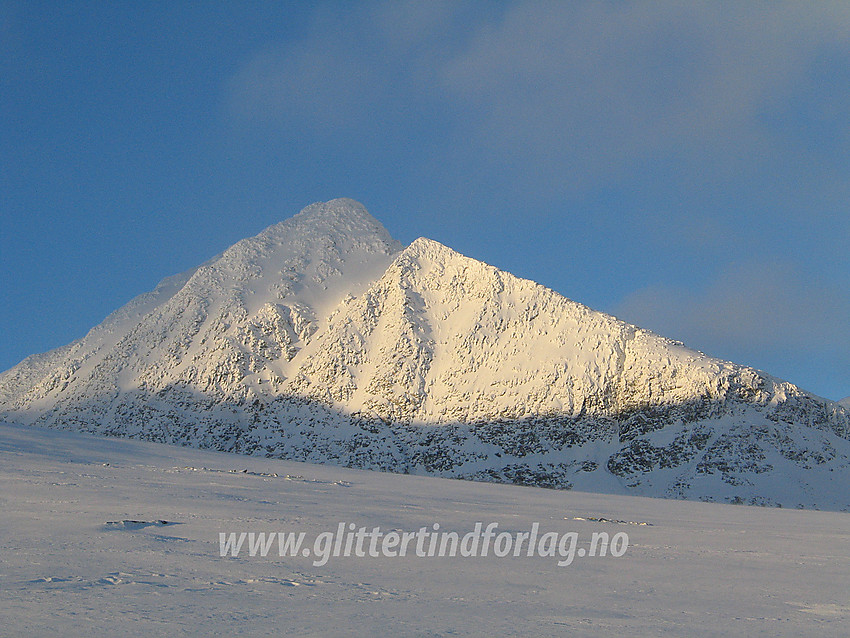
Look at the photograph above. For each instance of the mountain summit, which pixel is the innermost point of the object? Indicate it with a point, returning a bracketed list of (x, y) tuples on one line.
[(323, 339)]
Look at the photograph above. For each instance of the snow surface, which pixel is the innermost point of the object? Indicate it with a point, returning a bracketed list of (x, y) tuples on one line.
[(323, 339), (74, 563)]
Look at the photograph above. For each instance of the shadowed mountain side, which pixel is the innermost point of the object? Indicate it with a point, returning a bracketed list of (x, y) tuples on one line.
[(729, 451)]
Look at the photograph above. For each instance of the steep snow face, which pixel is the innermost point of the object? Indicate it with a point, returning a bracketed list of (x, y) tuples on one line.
[(443, 338), (323, 339), (222, 330)]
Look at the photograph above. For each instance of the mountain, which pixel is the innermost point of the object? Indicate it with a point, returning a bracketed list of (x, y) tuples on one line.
[(323, 339)]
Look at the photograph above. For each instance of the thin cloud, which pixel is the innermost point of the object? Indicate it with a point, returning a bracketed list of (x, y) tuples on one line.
[(584, 91), (347, 70), (599, 87), (750, 308), (310, 83)]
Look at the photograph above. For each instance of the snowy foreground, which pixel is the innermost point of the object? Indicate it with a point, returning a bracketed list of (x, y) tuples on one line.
[(73, 564)]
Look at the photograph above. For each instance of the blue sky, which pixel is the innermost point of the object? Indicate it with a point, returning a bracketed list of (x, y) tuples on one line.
[(682, 165)]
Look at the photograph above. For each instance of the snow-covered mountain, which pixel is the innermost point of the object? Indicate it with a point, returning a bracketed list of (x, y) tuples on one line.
[(323, 339)]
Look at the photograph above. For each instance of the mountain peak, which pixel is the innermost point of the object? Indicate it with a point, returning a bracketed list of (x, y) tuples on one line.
[(316, 244), (423, 244), (337, 206), (324, 339), (341, 208), (341, 216)]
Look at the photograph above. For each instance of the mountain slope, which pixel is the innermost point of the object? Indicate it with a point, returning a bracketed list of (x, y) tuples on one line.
[(323, 339)]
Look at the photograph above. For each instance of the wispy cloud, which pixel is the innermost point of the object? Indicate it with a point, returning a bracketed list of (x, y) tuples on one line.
[(762, 309), (348, 69), (601, 87), (314, 83), (591, 90)]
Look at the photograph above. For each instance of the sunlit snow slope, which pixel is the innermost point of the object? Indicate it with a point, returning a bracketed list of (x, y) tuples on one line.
[(323, 339)]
